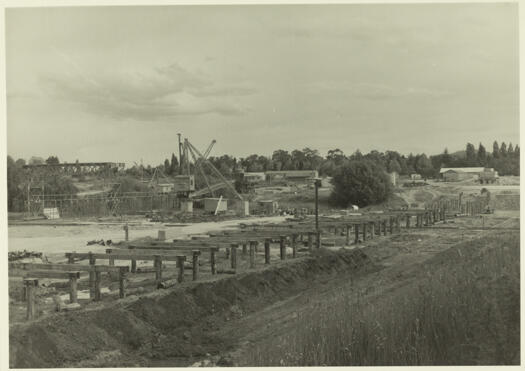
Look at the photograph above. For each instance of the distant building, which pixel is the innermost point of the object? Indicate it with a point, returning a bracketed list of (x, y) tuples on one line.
[(293, 174), (212, 204), (455, 174), (164, 187), (254, 177), (268, 206)]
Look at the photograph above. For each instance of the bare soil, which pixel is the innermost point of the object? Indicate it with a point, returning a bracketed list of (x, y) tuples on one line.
[(217, 320)]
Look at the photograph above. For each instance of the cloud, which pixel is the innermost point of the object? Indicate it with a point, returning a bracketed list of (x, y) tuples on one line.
[(161, 93), (373, 91)]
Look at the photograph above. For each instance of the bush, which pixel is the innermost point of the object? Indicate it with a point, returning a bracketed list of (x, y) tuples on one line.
[(361, 183)]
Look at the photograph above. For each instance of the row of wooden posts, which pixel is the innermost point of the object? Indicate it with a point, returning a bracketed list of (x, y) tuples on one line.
[(469, 207), (161, 252)]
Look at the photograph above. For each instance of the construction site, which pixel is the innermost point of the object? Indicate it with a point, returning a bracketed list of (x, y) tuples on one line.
[(181, 276), (262, 185)]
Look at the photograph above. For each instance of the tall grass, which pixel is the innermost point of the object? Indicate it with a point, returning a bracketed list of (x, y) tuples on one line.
[(463, 309)]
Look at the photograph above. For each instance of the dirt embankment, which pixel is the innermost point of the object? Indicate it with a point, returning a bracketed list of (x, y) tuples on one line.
[(175, 324)]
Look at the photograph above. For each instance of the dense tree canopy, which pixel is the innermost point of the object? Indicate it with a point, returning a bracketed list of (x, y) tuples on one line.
[(503, 158), (360, 182)]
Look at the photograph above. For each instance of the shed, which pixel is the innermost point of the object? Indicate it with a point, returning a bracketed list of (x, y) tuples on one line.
[(210, 204), (269, 206), (454, 174)]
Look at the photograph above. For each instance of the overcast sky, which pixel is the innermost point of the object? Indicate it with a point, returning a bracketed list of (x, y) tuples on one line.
[(119, 83)]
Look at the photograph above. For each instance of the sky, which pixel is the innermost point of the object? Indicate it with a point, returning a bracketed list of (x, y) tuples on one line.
[(119, 83)]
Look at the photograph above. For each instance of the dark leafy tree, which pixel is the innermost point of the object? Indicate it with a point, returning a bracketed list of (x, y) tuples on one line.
[(360, 182), (495, 150), (471, 155), (503, 150), (482, 155)]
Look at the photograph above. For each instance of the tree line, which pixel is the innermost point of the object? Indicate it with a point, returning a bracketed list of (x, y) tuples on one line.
[(504, 158)]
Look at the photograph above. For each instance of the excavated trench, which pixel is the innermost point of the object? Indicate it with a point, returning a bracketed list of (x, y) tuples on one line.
[(179, 324)]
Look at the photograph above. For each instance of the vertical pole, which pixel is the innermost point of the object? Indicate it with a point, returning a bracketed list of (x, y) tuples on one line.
[(180, 155), (282, 247), (133, 266), (180, 263), (252, 254), (234, 255), (317, 184), (294, 245), (212, 260), (347, 235), (92, 262), (195, 262), (356, 231), (30, 285), (97, 285), (126, 232), (72, 287), (157, 263), (122, 283), (267, 251)]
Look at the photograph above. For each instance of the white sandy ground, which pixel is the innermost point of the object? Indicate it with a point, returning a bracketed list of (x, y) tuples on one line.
[(53, 241)]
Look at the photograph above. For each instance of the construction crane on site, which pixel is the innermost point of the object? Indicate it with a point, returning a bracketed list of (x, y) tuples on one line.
[(200, 160)]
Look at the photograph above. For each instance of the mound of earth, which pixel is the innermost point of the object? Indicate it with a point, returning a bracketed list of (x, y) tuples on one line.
[(172, 323)]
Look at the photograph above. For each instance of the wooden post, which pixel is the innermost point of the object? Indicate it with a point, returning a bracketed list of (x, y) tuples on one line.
[(157, 263), (196, 254), (126, 232), (294, 245), (122, 283), (97, 285), (212, 260), (347, 235), (267, 251), (252, 254), (133, 266), (72, 287), (92, 262), (282, 247), (356, 231), (30, 284), (180, 263), (234, 255)]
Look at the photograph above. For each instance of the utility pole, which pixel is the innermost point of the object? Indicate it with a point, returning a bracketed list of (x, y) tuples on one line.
[(317, 183), (180, 156)]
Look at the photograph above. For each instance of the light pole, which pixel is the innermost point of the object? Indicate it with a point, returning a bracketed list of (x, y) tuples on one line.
[(180, 155), (317, 184)]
